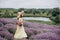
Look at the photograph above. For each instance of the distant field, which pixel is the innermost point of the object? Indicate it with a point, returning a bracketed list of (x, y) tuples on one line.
[(36, 15), (26, 15), (43, 22)]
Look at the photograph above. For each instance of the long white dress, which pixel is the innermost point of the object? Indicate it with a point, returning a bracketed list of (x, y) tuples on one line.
[(20, 32)]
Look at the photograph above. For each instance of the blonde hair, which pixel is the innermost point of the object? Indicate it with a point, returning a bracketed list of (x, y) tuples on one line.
[(20, 14)]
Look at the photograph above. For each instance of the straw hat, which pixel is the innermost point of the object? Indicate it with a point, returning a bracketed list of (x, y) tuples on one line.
[(22, 12)]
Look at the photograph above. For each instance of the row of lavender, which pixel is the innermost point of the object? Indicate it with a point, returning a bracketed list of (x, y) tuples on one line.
[(35, 31), (7, 28)]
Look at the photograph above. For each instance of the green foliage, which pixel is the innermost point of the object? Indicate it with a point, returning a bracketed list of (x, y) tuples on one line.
[(11, 12), (20, 9), (0, 11), (55, 15), (42, 22), (8, 12)]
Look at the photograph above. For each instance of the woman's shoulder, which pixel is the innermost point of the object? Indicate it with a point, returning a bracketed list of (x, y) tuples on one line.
[(20, 19)]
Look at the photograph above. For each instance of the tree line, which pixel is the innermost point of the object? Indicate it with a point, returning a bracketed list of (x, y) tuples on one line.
[(53, 13)]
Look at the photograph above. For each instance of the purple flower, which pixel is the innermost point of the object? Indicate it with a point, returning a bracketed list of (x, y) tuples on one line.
[(11, 28), (3, 29), (6, 35), (8, 20), (1, 24), (1, 38), (48, 35)]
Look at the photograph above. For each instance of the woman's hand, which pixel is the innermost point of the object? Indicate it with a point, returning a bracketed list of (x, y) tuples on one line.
[(19, 23)]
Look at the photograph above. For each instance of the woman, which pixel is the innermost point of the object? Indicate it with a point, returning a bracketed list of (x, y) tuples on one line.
[(20, 32)]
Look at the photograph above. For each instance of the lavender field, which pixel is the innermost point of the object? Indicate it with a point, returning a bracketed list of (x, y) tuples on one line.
[(35, 31)]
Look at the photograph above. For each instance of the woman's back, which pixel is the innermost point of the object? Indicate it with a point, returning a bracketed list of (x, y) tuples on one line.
[(20, 32), (20, 22)]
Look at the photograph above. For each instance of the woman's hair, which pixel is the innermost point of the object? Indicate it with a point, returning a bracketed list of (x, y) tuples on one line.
[(20, 14)]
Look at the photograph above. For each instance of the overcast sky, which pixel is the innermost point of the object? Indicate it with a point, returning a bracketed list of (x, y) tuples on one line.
[(29, 3)]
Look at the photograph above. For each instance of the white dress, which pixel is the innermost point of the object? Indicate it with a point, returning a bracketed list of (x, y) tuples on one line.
[(20, 32)]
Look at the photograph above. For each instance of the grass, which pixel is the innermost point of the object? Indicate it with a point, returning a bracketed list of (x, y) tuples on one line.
[(28, 15), (42, 22), (36, 15)]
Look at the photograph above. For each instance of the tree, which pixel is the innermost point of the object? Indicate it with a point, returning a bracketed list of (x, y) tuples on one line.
[(34, 11), (0, 11), (20, 9), (55, 15), (6, 14)]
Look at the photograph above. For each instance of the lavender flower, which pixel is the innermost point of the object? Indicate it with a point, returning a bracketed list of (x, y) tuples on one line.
[(3, 29), (1, 38), (11, 28), (6, 35), (48, 35), (35, 31), (8, 20), (1, 24)]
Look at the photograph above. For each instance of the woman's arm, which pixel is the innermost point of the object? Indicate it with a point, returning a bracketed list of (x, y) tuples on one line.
[(20, 22), (18, 16)]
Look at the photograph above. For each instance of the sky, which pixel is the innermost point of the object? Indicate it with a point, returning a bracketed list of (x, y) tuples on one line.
[(29, 3)]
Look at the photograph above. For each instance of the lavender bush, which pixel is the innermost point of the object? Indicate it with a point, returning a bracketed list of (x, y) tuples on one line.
[(1, 38), (8, 20), (6, 35), (48, 35), (3, 29), (1, 24), (43, 29), (35, 31), (11, 28)]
